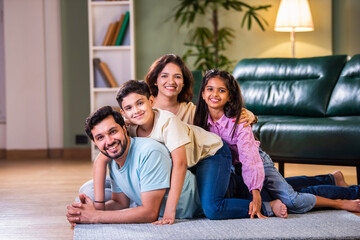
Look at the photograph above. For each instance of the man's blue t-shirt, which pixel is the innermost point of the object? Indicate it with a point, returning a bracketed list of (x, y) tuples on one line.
[(148, 167)]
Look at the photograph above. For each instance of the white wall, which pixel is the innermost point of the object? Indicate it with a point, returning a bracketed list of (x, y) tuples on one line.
[(2, 80), (32, 74), (2, 75), (2, 136), (53, 74)]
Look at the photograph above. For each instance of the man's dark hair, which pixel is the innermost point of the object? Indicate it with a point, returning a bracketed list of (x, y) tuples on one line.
[(132, 86), (96, 117)]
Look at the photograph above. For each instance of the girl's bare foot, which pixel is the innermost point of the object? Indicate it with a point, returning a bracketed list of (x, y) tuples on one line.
[(339, 179), (279, 209), (350, 205)]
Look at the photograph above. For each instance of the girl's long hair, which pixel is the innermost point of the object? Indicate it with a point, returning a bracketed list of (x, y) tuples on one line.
[(232, 109)]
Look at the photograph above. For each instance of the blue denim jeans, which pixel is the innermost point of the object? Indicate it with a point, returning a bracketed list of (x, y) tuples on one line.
[(323, 186), (278, 188), (213, 176), (238, 189)]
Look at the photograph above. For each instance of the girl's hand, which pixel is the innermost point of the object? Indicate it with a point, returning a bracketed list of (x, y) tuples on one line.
[(248, 117), (167, 219), (255, 205)]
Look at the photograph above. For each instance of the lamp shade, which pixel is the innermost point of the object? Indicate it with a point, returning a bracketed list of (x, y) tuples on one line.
[(294, 16)]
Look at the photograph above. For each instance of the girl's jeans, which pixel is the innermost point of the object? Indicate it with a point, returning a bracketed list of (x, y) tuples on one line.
[(213, 176)]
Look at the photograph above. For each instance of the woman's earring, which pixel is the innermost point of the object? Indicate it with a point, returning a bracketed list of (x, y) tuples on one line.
[(155, 84)]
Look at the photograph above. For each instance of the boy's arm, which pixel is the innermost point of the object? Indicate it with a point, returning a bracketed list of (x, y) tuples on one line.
[(178, 174), (99, 175), (146, 213)]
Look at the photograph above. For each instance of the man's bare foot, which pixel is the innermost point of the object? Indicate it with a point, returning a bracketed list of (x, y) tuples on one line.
[(279, 209), (350, 205), (339, 179)]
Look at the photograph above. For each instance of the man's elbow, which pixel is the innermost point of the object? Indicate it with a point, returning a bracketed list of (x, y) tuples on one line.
[(152, 216)]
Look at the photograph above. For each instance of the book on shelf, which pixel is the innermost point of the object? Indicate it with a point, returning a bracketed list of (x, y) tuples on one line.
[(105, 72), (109, 34), (113, 33), (96, 62), (117, 30), (123, 29), (108, 74)]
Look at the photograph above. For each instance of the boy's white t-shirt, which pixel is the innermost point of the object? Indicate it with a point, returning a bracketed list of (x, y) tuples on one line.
[(173, 133)]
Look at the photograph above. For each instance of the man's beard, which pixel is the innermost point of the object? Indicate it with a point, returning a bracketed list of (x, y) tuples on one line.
[(123, 146)]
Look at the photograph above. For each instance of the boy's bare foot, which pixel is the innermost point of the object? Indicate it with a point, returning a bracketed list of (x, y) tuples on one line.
[(339, 179), (279, 209), (350, 205)]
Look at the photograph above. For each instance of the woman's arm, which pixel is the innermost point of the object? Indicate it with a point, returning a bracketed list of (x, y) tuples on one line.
[(248, 117), (178, 174), (99, 175)]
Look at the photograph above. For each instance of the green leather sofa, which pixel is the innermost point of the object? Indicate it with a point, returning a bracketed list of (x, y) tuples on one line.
[(308, 108)]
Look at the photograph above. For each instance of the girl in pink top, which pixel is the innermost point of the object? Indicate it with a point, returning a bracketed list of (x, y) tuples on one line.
[(218, 110)]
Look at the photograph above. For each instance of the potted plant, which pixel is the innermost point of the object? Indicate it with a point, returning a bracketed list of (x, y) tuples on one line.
[(207, 43)]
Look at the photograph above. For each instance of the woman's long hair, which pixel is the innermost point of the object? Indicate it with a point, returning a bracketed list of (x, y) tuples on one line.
[(232, 109)]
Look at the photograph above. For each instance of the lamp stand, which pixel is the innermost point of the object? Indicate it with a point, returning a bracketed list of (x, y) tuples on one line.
[(292, 39)]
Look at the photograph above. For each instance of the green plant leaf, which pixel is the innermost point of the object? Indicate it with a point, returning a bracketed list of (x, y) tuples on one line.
[(201, 35), (205, 44)]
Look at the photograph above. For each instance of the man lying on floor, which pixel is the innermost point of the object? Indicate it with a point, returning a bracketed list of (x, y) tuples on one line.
[(140, 171)]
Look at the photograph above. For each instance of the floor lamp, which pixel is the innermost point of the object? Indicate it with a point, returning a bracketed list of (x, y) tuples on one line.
[(294, 16)]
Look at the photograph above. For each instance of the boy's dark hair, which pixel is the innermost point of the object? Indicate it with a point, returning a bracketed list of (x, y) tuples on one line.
[(186, 93), (96, 117), (232, 109), (132, 86)]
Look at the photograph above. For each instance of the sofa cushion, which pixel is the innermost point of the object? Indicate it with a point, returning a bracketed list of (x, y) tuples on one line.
[(345, 99), (262, 119), (288, 86), (312, 138)]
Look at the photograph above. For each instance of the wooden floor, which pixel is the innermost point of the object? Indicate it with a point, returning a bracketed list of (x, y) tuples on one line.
[(34, 194)]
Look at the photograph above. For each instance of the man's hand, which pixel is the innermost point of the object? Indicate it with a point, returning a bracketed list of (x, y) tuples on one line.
[(81, 212), (168, 218), (248, 117), (255, 205)]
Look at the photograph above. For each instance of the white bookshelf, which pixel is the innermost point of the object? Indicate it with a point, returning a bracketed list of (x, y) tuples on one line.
[(120, 59)]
